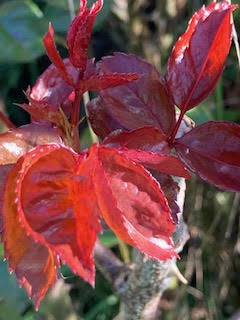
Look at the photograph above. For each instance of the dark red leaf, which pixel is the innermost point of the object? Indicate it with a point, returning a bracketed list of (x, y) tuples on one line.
[(33, 263), (137, 104), (15, 143), (164, 163), (55, 57), (171, 192), (79, 34), (198, 58), (133, 204), (147, 146), (101, 82), (212, 150), (52, 90), (101, 120), (3, 176), (145, 139), (60, 211)]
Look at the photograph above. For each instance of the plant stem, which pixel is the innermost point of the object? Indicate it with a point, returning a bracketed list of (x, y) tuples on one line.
[(175, 129), (94, 137), (75, 120), (6, 121)]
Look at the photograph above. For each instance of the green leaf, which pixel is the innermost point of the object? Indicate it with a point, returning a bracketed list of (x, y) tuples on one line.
[(21, 29), (108, 239)]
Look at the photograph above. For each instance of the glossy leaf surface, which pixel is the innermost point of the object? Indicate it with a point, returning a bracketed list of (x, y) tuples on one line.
[(198, 57), (15, 143), (52, 90), (164, 163), (133, 204), (33, 263), (143, 102), (55, 57), (212, 150), (50, 212), (79, 33), (145, 139), (111, 80)]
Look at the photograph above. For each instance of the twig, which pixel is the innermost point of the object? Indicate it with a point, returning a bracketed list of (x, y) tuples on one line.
[(6, 121), (86, 99)]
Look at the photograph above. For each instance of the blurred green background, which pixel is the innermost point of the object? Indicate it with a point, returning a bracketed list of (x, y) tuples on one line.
[(211, 259)]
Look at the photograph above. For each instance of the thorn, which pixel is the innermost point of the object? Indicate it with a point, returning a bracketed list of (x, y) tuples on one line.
[(178, 274)]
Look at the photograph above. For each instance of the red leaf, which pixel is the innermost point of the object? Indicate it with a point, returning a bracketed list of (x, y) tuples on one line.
[(79, 34), (145, 139), (101, 120), (52, 90), (101, 82), (149, 147), (15, 143), (137, 104), (171, 192), (3, 177), (198, 58), (163, 163), (55, 57), (133, 204), (33, 263), (60, 212), (212, 150)]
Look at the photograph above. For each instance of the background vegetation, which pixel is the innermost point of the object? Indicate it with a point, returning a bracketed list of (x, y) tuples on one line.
[(211, 259)]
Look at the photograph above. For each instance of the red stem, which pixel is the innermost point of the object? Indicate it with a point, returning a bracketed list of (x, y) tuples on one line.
[(175, 129), (6, 121), (75, 120)]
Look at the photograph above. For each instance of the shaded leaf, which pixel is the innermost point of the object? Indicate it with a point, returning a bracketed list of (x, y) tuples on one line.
[(145, 139), (143, 102), (101, 82), (198, 57), (171, 190), (101, 120), (4, 169), (212, 150), (22, 43), (52, 90), (133, 204)]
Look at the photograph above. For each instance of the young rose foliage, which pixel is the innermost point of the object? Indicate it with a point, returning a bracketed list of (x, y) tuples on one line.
[(211, 150), (72, 190)]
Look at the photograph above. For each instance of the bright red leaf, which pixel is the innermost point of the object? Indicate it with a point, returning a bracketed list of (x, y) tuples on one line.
[(198, 57), (55, 57), (164, 163), (59, 218), (212, 150), (33, 263), (133, 204), (143, 102), (52, 212), (79, 34), (149, 147)]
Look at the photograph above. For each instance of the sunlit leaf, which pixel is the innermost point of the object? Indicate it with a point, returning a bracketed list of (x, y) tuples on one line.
[(198, 57)]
